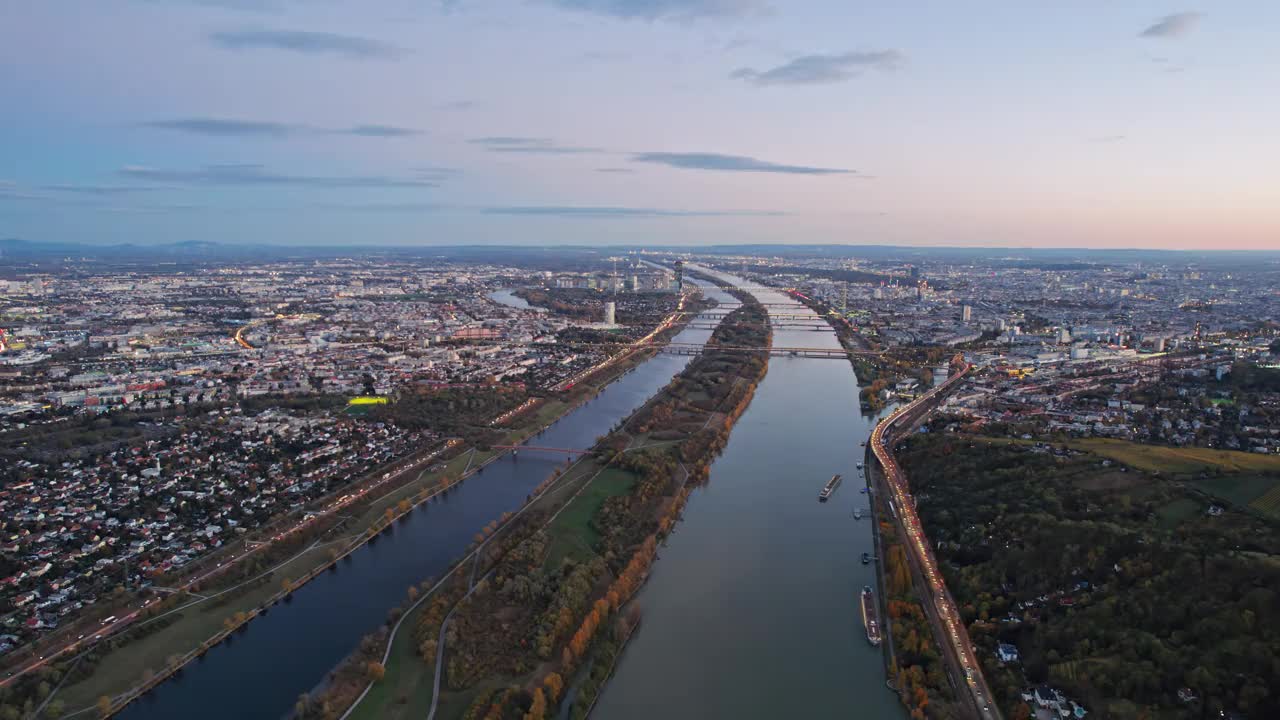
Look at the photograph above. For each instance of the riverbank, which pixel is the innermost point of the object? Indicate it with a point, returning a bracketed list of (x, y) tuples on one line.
[(591, 535), (202, 623), (752, 611), (294, 645)]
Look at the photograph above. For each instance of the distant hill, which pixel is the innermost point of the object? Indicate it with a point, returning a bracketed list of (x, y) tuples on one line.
[(15, 251)]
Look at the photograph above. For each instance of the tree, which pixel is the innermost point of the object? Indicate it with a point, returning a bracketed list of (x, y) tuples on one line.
[(554, 684), (375, 671), (537, 710), (103, 706)]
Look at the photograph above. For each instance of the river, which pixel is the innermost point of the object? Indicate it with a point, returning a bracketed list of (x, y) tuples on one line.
[(752, 610), (507, 296), (261, 672)]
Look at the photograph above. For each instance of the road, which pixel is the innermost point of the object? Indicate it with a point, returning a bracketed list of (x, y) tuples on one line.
[(950, 630)]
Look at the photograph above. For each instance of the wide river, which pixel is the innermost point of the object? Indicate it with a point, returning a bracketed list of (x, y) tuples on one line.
[(261, 672), (752, 607)]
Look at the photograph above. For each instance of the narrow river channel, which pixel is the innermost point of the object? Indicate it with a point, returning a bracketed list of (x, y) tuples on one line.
[(752, 608), (260, 673)]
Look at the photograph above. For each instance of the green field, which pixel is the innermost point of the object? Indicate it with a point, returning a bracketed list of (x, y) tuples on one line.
[(124, 666), (571, 534), (1268, 502), (406, 688), (1178, 461), (1244, 479), (1174, 513)]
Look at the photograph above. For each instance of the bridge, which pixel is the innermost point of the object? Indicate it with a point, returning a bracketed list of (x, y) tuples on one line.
[(540, 448), (682, 348), (815, 326), (717, 315)]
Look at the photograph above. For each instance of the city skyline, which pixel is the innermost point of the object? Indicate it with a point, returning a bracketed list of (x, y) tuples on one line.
[(674, 122)]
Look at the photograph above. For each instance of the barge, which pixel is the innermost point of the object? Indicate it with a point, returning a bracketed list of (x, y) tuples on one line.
[(869, 615), (830, 488)]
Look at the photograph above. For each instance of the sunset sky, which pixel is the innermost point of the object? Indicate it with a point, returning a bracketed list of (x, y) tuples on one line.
[(414, 122)]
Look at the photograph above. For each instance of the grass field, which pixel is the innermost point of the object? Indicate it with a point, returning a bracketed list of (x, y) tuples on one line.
[(124, 666), (1244, 479), (1268, 502), (1178, 461), (1173, 513), (571, 534), (406, 688)]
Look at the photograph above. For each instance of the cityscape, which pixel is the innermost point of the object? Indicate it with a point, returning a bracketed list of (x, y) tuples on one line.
[(639, 359), (190, 447)]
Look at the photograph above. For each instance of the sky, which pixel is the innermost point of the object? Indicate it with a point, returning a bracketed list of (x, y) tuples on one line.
[(664, 122)]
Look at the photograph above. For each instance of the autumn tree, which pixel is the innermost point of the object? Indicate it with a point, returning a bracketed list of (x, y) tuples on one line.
[(554, 684), (538, 709)]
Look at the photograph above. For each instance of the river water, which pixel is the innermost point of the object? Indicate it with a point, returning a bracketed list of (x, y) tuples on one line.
[(260, 673), (507, 296), (752, 610)]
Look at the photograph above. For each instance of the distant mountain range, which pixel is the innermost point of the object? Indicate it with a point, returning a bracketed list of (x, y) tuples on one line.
[(15, 251)]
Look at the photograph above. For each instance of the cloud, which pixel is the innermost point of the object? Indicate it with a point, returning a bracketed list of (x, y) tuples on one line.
[(1171, 26), (665, 9), (310, 43), (436, 172), (256, 175), (529, 145), (98, 189), (388, 131), (224, 127), (410, 207), (614, 170), (731, 163), (1108, 139), (9, 191), (228, 128), (459, 105), (591, 211), (818, 69)]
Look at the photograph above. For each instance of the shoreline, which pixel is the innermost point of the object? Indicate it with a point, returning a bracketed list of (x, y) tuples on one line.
[(668, 514), (615, 367), (870, 465)]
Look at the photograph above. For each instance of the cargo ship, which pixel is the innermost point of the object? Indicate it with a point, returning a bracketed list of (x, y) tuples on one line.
[(869, 615), (832, 484)]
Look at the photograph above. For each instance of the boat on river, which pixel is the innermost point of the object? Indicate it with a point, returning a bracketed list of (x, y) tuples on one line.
[(869, 615), (866, 558), (857, 513), (830, 488)]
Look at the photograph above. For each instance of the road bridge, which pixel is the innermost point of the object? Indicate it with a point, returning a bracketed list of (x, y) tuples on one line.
[(680, 348), (540, 448), (815, 326), (714, 315)]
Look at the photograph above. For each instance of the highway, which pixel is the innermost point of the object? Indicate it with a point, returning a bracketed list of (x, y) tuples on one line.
[(939, 606)]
